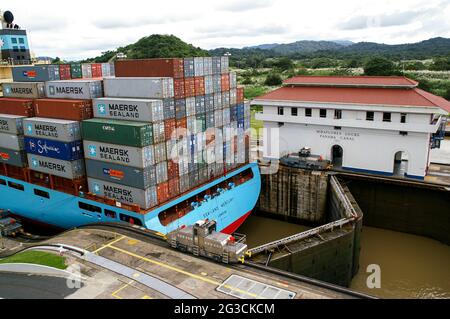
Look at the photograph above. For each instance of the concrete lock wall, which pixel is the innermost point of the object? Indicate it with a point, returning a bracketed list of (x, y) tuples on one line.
[(295, 195), (414, 208), (331, 256)]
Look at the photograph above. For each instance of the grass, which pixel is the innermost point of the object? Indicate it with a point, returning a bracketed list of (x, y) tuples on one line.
[(37, 258), (253, 91)]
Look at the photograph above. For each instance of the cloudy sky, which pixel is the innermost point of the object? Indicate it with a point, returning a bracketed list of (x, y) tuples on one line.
[(84, 28)]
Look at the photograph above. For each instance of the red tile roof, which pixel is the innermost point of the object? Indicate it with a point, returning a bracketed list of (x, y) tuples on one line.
[(351, 95), (353, 81)]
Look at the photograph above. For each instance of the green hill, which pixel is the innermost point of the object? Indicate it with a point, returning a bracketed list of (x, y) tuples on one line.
[(154, 46)]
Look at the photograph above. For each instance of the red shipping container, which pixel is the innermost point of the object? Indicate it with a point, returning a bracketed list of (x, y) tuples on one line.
[(178, 85), (182, 124), (173, 68), (199, 85), (96, 70), (162, 191), (169, 127), (173, 169), (189, 87), (174, 187), (72, 110), (21, 107), (64, 72), (240, 95), (225, 82)]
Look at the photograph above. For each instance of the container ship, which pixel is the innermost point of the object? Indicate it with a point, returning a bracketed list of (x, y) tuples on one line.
[(157, 143)]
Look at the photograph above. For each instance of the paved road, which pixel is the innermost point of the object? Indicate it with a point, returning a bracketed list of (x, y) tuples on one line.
[(22, 286)]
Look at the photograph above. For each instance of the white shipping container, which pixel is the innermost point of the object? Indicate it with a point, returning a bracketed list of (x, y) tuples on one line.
[(199, 66), (152, 88), (12, 124), (233, 97), (225, 99), (119, 154), (52, 129), (12, 141), (74, 89), (218, 101), (86, 70), (160, 152), (159, 135), (233, 80), (226, 116), (225, 64), (140, 110), (161, 172), (172, 150), (209, 87), (190, 106)]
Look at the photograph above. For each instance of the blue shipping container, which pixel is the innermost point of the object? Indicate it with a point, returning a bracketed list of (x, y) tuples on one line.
[(54, 149)]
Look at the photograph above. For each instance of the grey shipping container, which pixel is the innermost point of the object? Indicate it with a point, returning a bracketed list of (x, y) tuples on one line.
[(190, 106), (184, 183), (199, 66), (139, 110), (12, 141), (189, 68), (146, 199), (75, 89), (225, 99), (209, 118), (209, 102), (119, 154), (24, 90), (159, 135), (64, 169), (218, 101), (161, 173), (224, 64), (180, 109), (12, 124), (121, 174), (217, 83), (86, 69), (233, 80), (14, 158), (216, 61), (52, 129), (209, 86), (151, 88), (169, 108), (218, 118), (38, 73), (233, 96), (160, 152), (200, 105), (207, 66)]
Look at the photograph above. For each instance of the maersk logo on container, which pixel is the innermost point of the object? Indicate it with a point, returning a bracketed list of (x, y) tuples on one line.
[(97, 188), (34, 162), (101, 109), (30, 128), (92, 150)]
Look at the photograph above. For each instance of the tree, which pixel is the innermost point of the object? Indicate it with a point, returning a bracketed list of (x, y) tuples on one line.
[(440, 64), (380, 66), (273, 79), (447, 94), (284, 64), (56, 60)]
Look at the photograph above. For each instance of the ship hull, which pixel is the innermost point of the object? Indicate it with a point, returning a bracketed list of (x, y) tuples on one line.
[(229, 209)]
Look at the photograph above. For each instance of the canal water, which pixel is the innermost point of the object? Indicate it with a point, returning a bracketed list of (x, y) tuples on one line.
[(411, 266)]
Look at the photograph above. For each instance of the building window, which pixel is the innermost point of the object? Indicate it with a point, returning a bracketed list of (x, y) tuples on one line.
[(22, 49), (404, 133), (338, 128), (13, 40), (370, 116), (21, 41), (387, 117), (281, 111), (337, 114), (16, 49), (403, 118), (323, 113), (308, 112), (294, 111)]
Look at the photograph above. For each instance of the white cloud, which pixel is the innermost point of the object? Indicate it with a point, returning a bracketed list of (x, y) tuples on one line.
[(85, 28)]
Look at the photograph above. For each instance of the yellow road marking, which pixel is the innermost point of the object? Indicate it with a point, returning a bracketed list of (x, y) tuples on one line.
[(132, 242), (207, 280), (108, 245), (114, 294)]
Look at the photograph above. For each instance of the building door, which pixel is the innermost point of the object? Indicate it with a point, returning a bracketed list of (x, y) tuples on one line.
[(337, 155), (401, 164)]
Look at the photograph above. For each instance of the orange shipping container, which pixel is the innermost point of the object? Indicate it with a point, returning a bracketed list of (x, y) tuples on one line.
[(189, 87), (71, 110), (22, 107), (199, 85), (178, 86), (182, 124), (169, 128), (240, 95), (64, 72), (96, 70), (174, 187), (172, 68), (225, 82), (162, 191), (173, 169)]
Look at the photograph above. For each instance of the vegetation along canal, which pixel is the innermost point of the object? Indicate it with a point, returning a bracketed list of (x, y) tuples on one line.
[(411, 266)]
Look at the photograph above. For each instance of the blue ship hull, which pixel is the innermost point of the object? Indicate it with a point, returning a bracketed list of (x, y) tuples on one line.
[(229, 209)]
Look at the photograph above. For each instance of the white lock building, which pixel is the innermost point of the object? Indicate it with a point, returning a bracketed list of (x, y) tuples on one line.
[(382, 125)]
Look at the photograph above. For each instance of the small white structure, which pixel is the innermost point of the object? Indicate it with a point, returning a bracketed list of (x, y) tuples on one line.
[(383, 125)]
